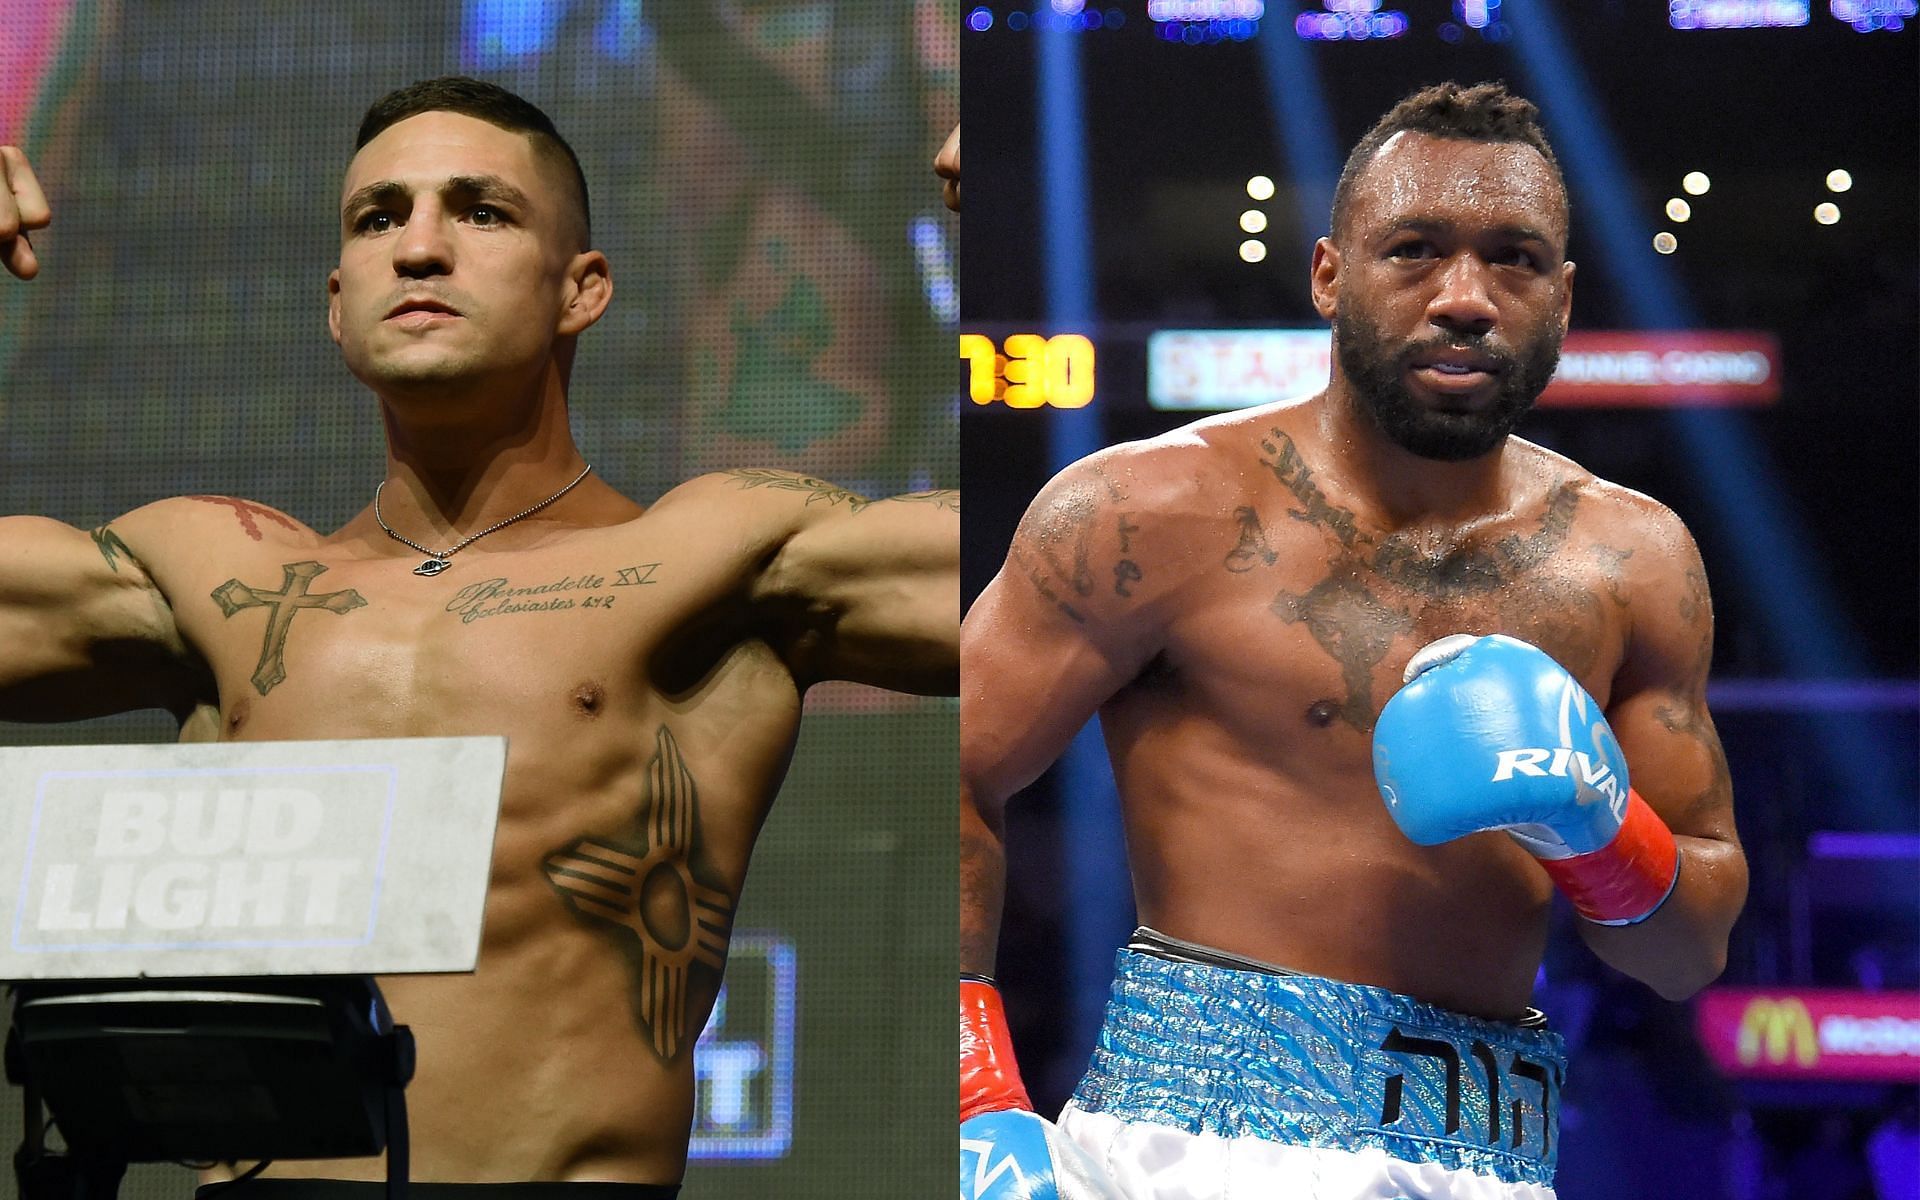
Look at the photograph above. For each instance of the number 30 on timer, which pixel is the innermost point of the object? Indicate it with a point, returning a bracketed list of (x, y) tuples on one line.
[(1034, 371)]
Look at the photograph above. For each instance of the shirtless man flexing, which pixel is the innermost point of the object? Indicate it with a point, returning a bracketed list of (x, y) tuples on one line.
[(646, 663), (1341, 879)]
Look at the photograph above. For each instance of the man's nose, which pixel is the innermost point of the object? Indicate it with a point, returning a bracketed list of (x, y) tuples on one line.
[(1461, 302), (425, 244)]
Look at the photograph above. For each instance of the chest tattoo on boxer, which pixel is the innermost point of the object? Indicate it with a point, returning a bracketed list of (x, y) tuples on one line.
[(235, 597), (1377, 586), (1252, 549), (645, 888), (1353, 626), (1283, 458), (245, 511)]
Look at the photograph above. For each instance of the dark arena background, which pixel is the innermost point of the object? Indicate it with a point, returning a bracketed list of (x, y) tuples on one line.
[(1145, 183), (785, 296)]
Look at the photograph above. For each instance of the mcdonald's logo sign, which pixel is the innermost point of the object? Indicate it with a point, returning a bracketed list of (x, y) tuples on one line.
[(1774, 1030)]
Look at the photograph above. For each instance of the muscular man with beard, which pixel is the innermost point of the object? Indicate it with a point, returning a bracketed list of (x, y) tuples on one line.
[(1344, 883)]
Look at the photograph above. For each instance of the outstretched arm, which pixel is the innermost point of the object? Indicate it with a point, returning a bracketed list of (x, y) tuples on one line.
[(84, 631), (865, 590), (1659, 713)]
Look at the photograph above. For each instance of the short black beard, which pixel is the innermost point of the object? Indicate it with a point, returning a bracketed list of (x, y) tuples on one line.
[(1378, 379)]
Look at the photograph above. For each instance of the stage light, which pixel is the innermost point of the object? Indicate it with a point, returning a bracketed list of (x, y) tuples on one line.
[(1827, 213), (1253, 250), (1678, 209), (1839, 181), (980, 20), (1253, 221), (1260, 187), (1696, 183), (1665, 242)]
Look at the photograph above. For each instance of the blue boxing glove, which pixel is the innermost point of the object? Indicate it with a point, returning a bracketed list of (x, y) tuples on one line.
[(1013, 1154), (1491, 733)]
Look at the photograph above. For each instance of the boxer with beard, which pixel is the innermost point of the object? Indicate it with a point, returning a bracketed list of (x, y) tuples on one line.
[(1376, 677)]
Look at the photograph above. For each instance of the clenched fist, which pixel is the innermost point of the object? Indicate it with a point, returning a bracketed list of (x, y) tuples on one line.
[(23, 206)]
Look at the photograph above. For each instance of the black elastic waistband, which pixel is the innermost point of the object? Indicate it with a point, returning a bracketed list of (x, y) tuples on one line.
[(343, 1189)]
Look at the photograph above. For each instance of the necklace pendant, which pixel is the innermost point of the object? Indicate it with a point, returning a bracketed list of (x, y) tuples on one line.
[(432, 566)]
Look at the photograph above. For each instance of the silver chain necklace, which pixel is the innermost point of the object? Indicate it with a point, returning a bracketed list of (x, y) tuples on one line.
[(437, 559)]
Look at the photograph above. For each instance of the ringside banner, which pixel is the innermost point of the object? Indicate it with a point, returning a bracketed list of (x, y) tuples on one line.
[(1206, 369), (246, 858), (1811, 1033)]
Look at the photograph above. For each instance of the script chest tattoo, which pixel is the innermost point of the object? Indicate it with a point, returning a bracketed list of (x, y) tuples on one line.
[(648, 888), (500, 596), (235, 597)]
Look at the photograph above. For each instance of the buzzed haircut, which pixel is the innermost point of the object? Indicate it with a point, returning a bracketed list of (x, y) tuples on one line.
[(483, 101), (1484, 112)]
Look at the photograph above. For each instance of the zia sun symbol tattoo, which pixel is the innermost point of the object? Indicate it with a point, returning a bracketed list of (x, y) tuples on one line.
[(646, 895)]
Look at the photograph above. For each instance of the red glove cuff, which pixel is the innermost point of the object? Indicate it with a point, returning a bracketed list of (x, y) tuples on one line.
[(989, 1078), (1625, 880)]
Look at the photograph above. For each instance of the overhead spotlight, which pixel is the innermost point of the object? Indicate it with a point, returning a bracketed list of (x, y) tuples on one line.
[(1665, 242), (1252, 250), (1696, 183), (1839, 181), (1678, 209), (1260, 187), (1827, 213), (1253, 220)]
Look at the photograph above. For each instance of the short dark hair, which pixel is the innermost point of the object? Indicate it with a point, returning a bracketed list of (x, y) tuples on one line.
[(484, 101), (1484, 112)]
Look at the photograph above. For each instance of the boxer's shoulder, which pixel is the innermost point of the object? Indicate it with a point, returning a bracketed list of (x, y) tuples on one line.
[(1126, 527)]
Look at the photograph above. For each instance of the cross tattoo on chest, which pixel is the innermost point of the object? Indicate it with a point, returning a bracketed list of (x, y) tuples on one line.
[(234, 596)]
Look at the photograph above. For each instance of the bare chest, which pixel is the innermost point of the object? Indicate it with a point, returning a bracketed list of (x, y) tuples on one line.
[(316, 644), (1302, 629)]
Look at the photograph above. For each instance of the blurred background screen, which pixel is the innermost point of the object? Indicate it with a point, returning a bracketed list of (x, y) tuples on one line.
[(1146, 182), (760, 180)]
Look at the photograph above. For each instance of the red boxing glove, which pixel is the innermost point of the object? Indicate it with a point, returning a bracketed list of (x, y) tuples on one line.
[(989, 1077)]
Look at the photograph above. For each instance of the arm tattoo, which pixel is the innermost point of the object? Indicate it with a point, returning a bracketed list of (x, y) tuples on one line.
[(644, 890), (817, 490), (111, 547), (947, 498), (234, 597), (1126, 571)]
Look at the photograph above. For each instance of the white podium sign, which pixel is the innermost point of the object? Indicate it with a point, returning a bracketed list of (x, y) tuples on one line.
[(246, 858)]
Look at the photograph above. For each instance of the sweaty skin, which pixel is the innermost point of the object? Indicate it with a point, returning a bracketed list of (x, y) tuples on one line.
[(645, 664), (1237, 599)]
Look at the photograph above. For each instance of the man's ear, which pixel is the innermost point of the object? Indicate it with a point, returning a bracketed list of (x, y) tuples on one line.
[(589, 289), (1566, 294), (333, 304), (1325, 277)]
